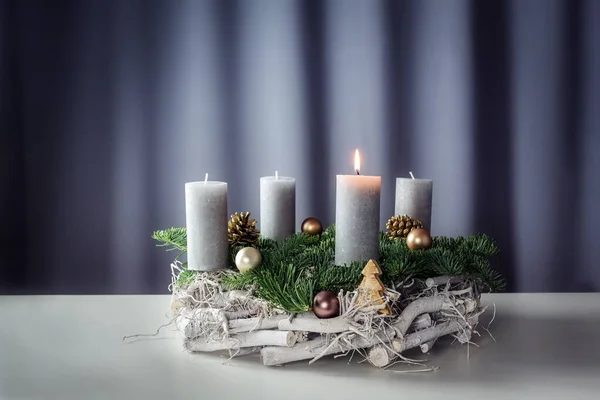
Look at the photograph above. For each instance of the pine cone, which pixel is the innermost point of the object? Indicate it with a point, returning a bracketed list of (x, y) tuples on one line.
[(241, 229), (399, 226)]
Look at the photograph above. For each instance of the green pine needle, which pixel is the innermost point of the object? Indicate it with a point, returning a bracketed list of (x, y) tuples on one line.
[(173, 237), (239, 281), (185, 278), (295, 269)]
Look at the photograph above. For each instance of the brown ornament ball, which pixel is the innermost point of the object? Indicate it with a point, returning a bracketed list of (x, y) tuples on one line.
[(312, 226), (326, 305), (418, 239)]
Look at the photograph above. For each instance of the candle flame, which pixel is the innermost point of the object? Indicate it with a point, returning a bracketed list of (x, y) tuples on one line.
[(357, 162)]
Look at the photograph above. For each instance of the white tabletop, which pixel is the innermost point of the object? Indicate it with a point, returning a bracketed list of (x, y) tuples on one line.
[(69, 347)]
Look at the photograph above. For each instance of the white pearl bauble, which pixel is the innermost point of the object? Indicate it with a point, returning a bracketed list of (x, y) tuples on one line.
[(247, 259)]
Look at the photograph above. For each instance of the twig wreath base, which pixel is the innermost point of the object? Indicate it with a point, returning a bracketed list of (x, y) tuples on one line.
[(212, 318)]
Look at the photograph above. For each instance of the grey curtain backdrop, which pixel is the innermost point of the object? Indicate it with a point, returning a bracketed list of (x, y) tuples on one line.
[(110, 106)]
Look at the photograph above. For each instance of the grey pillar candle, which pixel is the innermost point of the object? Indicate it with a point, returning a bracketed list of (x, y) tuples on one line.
[(206, 221), (413, 198), (277, 207), (357, 206)]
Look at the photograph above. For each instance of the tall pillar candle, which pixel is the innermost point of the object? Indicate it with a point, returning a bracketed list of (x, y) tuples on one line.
[(413, 198), (357, 206), (277, 207), (206, 221)]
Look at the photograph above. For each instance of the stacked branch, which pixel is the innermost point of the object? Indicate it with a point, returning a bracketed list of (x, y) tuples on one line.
[(412, 328), (214, 320)]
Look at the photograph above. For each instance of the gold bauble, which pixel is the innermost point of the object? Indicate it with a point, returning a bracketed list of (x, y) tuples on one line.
[(312, 226), (248, 259), (418, 239)]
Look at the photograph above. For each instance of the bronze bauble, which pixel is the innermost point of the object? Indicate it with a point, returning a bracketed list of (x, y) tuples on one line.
[(418, 239), (312, 226), (248, 259), (326, 305)]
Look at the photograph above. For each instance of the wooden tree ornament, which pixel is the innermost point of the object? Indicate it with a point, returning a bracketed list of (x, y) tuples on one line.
[(370, 290)]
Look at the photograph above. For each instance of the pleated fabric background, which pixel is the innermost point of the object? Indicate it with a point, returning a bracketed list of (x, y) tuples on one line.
[(109, 106)]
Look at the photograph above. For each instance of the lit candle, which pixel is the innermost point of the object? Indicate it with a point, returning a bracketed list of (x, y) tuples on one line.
[(413, 198), (357, 216), (206, 221), (277, 206)]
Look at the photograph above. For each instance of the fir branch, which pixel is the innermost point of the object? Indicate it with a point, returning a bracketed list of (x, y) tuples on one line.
[(295, 269), (481, 245), (445, 262), (491, 279), (239, 281), (185, 278), (335, 278), (174, 238), (286, 287)]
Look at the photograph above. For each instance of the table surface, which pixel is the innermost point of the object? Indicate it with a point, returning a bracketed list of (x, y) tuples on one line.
[(70, 347)]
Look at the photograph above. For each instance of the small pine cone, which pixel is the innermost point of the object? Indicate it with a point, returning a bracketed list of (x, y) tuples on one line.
[(399, 226), (242, 230)]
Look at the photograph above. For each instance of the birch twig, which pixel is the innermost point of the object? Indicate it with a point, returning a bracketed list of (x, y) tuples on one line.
[(445, 328), (254, 324), (253, 339), (311, 323)]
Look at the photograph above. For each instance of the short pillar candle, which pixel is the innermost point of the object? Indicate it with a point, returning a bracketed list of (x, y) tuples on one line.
[(413, 198), (206, 221), (277, 207)]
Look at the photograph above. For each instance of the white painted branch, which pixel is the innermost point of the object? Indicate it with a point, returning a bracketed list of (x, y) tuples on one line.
[(253, 339), (311, 323), (421, 322), (461, 292), (318, 347), (420, 306), (188, 327), (441, 280), (237, 314), (425, 347), (243, 351), (464, 335), (445, 328), (471, 305), (254, 324), (380, 356)]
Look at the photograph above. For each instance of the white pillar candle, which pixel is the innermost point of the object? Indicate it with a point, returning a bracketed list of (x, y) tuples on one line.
[(357, 217), (206, 221), (277, 206), (413, 198)]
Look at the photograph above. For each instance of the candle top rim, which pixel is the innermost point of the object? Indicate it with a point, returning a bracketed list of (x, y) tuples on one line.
[(278, 178), (415, 179), (360, 176), (207, 183)]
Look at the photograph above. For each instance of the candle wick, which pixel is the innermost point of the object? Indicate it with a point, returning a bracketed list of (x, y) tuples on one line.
[(276, 174), (411, 174), (357, 173), (206, 178)]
